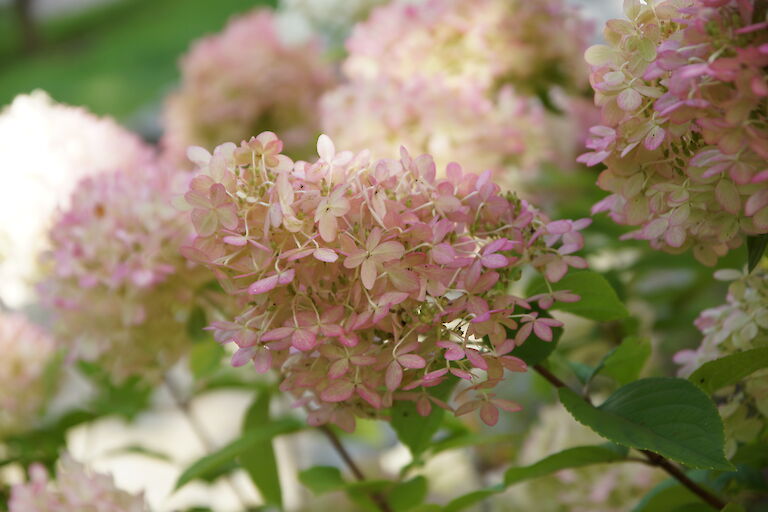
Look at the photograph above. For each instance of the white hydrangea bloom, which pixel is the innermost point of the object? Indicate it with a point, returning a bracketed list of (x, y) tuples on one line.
[(45, 149)]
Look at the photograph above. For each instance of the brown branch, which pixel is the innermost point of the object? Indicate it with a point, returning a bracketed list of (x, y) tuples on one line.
[(377, 498), (654, 459)]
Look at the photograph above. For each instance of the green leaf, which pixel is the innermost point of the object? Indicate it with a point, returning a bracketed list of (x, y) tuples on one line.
[(196, 322), (259, 459), (416, 431), (755, 249), (409, 494), (671, 417), (322, 479), (733, 507), (728, 370), (598, 298), (212, 462), (204, 358), (625, 362), (670, 496), (535, 350), (570, 458)]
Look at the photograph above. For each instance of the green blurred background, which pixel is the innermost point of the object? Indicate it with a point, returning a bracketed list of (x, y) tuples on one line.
[(115, 57)]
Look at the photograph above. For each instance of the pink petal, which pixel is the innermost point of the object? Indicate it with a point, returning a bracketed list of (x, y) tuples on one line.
[(506, 405), (338, 368), (394, 376), (337, 391), (368, 273), (303, 339), (476, 359), (263, 285), (412, 361), (277, 334), (325, 254), (489, 414), (453, 352), (369, 396), (494, 261)]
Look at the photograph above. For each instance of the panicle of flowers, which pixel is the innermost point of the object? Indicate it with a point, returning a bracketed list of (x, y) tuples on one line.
[(683, 90), (46, 148), (367, 281), (494, 133), (599, 488), (120, 289), (27, 355), (75, 489), (738, 325), (487, 43), (460, 80), (242, 80)]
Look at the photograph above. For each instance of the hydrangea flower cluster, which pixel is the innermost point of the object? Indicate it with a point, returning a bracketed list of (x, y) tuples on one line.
[(599, 488), (368, 281), (243, 80), (488, 43), (506, 131), (118, 284), (46, 149), (683, 88), (76, 489), (28, 352), (456, 80), (739, 324)]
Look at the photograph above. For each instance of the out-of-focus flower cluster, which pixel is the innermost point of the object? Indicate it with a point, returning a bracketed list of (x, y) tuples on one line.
[(46, 149), (366, 281), (27, 361), (600, 488), (451, 125), (119, 286), (76, 489), (245, 80), (738, 325), (457, 79), (683, 88), (530, 45)]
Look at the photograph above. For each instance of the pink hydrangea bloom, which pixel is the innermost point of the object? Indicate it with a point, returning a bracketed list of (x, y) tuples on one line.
[(498, 133), (682, 85), (458, 80), (46, 148), (367, 281), (118, 284), (243, 80), (27, 353), (484, 43), (76, 489)]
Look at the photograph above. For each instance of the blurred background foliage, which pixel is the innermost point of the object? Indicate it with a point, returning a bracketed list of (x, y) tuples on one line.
[(116, 57)]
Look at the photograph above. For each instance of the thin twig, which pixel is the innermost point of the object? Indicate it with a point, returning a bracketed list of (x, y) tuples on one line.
[(377, 498), (653, 459), (202, 435)]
